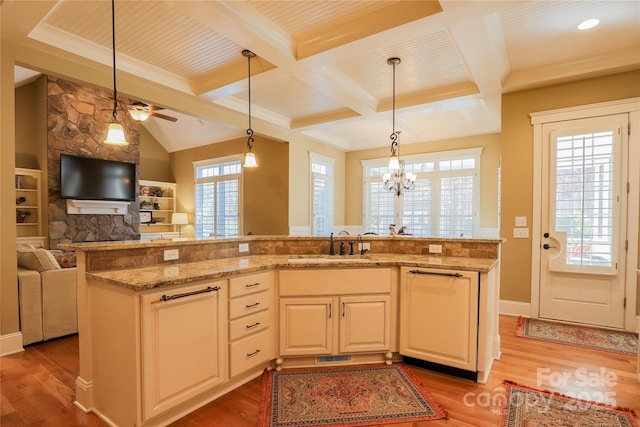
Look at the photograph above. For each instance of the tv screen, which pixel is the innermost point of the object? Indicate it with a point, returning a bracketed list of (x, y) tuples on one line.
[(84, 178)]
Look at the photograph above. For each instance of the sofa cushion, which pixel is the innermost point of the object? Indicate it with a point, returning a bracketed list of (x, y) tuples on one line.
[(65, 259), (38, 260)]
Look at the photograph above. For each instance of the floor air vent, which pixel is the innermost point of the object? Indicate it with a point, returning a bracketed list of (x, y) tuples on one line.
[(329, 359)]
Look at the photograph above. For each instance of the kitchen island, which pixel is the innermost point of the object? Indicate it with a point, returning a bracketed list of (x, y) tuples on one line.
[(158, 339)]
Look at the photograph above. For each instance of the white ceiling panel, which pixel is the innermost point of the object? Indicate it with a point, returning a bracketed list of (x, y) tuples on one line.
[(321, 69)]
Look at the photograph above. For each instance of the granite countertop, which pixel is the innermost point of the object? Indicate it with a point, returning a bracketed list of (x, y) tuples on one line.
[(145, 278), (129, 244)]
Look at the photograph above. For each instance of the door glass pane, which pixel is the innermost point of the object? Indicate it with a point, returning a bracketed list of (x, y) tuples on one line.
[(584, 199)]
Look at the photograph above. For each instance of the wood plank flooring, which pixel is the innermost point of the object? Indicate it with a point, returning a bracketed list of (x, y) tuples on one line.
[(37, 386)]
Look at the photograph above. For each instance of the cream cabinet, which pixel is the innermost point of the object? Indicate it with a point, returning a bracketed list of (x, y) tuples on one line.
[(28, 202), (439, 316), (183, 345), (335, 311), (251, 325)]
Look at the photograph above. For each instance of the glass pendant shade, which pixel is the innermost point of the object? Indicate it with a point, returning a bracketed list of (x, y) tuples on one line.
[(394, 163), (250, 160), (139, 115), (115, 134)]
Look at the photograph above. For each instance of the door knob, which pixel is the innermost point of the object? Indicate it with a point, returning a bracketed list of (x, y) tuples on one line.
[(547, 246)]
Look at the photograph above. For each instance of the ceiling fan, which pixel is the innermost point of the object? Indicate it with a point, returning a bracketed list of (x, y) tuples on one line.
[(141, 112)]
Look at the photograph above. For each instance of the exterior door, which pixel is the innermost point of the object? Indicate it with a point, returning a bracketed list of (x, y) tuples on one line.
[(584, 221)]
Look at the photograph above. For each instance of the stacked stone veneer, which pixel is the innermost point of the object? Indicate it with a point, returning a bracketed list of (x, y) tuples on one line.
[(77, 120), (152, 254)]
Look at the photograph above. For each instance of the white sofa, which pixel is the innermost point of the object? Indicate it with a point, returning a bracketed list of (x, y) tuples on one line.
[(47, 296)]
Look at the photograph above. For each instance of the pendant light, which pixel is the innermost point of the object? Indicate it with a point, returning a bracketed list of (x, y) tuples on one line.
[(396, 180), (115, 134), (249, 157)]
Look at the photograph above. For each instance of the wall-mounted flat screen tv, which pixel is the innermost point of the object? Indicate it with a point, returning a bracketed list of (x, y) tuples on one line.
[(84, 178)]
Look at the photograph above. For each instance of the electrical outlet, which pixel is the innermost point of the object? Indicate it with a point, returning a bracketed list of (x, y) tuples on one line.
[(521, 233), (365, 246), (243, 247), (435, 249), (170, 254)]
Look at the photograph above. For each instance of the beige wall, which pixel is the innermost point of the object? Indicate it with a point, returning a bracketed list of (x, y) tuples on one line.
[(265, 189), (490, 161), (155, 164), (517, 161)]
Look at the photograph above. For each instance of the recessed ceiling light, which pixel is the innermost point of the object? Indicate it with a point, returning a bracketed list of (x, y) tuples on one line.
[(589, 23)]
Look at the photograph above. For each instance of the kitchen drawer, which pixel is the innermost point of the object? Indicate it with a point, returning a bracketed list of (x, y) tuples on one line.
[(248, 304), (250, 351), (249, 324), (250, 284)]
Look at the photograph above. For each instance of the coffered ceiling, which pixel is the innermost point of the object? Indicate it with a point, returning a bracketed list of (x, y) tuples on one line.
[(321, 67)]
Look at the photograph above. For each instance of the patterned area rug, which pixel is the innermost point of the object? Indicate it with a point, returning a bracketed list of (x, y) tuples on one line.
[(526, 406), (583, 336), (345, 396)]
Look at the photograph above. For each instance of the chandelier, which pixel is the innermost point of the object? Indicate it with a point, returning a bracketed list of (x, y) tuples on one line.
[(249, 157), (396, 180)]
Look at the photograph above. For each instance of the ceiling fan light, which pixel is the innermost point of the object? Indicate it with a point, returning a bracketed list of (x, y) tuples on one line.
[(139, 115), (250, 160), (115, 135)]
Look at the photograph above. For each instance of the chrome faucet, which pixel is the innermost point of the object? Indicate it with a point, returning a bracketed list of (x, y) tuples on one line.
[(332, 248)]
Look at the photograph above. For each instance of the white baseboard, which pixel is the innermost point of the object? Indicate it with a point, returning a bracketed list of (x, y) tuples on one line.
[(515, 308), (11, 343)]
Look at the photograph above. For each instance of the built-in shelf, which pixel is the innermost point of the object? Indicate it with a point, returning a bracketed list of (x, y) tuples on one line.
[(28, 202), (157, 205)]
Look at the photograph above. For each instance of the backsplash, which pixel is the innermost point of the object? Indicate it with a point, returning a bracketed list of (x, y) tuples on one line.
[(116, 256)]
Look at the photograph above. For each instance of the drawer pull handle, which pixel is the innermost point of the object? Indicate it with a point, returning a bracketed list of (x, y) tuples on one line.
[(251, 285), (435, 273), (330, 310), (188, 294), (253, 326), (254, 353), (255, 304)]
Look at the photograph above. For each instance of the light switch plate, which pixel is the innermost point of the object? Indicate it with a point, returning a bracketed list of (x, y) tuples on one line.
[(243, 247), (521, 233), (171, 254), (521, 221), (435, 249)]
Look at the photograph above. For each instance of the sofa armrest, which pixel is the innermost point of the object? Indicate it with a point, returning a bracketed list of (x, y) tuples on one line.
[(30, 305), (59, 303)]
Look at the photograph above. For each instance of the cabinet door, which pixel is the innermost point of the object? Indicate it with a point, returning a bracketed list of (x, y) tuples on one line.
[(306, 326), (365, 323), (182, 334), (439, 316)]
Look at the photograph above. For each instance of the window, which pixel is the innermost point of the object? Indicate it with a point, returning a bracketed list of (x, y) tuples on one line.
[(443, 203), (321, 194), (217, 211)]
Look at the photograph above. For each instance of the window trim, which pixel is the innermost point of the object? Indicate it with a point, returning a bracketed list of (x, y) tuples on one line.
[(474, 152), (216, 161), (316, 157)]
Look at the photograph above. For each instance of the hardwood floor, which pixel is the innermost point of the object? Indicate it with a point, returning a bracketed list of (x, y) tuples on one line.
[(38, 385)]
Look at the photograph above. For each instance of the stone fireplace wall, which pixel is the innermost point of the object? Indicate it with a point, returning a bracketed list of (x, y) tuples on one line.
[(77, 121)]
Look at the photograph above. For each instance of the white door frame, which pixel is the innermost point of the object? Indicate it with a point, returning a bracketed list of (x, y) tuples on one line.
[(632, 107)]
